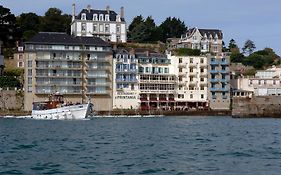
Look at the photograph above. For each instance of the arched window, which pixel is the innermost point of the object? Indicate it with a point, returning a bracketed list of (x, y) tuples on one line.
[(83, 16)]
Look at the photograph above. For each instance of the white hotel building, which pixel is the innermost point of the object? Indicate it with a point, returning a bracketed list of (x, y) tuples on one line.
[(106, 24)]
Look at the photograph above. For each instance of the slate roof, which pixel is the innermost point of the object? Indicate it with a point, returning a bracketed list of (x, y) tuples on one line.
[(208, 32), (65, 39), (90, 13)]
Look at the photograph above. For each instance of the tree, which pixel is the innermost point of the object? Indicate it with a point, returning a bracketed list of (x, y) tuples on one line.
[(7, 24), (249, 47), (236, 57), (54, 21), (136, 21), (29, 24), (232, 46), (172, 27)]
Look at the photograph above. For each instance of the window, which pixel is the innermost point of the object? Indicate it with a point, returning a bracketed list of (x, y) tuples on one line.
[(201, 60), (274, 82), (202, 79), (191, 70), (29, 72), (132, 87), (20, 56), (191, 96), (83, 27), (101, 17), (251, 82), (259, 82), (180, 69), (29, 63), (166, 70), (83, 16), (191, 60), (95, 28), (180, 60), (106, 17), (29, 88), (202, 96), (20, 64), (95, 17), (106, 28), (201, 87), (265, 82), (29, 80), (118, 29), (202, 70), (101, 28)]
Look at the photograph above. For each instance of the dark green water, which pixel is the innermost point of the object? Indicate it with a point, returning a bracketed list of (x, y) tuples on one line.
[(172, 145)]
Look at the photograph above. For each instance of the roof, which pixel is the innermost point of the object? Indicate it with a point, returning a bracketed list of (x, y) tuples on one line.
[(63, 38), (208, 32), (90, 14)]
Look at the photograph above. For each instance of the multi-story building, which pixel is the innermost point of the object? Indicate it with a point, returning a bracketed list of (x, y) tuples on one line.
[(125, 81), (192, 89), (219, 82), (157, 81), (77, 67), (264, 83), (206, 40), (106, 24)]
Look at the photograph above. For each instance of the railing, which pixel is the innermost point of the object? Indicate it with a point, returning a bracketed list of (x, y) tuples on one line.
[(224, 63), (219, 89), (214, 80), (215, 62), (126, 80), (226, 71), (214, 71), (127, 70)]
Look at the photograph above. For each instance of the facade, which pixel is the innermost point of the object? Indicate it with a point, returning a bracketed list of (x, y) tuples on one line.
[(264, 83), (219, 82), (125, 80), (106, 24), (19, 56), (157, 82), (192, 79), (77, 67), (206, 40)]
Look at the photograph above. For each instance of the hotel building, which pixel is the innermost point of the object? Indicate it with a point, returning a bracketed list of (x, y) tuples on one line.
[(106, 24), (125, 80), (192, 79), (77, 67)]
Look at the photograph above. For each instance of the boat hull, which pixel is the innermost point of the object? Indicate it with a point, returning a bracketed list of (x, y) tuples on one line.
[(74, 112)]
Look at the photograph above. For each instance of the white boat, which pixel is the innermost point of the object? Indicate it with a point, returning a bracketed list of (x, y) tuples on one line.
[(55, 109)]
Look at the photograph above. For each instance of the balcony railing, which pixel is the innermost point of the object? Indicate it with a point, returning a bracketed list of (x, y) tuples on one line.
[(127, 80), (215, 80), (127, 70), (224, 63), (219, 89), (214, 71), (226, 71), (215, 62)]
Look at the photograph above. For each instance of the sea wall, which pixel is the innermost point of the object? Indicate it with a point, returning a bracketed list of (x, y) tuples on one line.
[(11, 100), (261, 106)]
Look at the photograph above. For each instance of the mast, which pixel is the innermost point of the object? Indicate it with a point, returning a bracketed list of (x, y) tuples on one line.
[(84, 75)]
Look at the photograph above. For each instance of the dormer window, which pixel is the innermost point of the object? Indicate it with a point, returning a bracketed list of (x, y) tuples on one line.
[(83, 16), (95, 17), (106, 17), (118, 18), (101, 17)]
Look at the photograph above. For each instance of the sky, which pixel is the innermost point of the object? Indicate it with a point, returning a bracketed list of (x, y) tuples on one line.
[(258, 20)]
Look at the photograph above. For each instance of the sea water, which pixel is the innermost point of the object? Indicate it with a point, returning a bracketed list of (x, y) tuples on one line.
[(167, 145)]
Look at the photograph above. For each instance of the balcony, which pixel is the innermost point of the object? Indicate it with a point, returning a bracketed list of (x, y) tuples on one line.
[(182, 73), (226, 80), (224, 97), (182, 65), (98, 84), (214, 62), (224, 63), (226, 71), (214, 97), (127, 80), (193, 64), (214, 71), (126, 70), (97, 76), (143, 99), (215, 80), (219, 89)]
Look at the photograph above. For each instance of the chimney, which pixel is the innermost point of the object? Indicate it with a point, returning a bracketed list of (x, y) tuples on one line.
[(89, 8), (108, 8), (73, 12), (122, 13), (147, 53)]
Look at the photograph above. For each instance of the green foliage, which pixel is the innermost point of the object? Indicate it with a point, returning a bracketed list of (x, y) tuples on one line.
[(9, 81), (262, 59), (14, 72), (54, 21), (8, 28), (236, 57), (29, 24), (172, 27), (187, 52), (144, 31)]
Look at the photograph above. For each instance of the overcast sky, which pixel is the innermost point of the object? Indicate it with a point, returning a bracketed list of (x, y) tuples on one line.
[(258, 20)]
